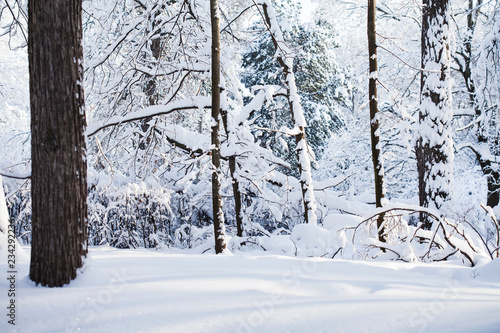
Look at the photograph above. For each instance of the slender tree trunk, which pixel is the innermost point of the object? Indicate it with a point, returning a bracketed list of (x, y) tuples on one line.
[(377, 157), (434, 148), (59, 172), (236, 184), (219, 232), (286, 62), (465, 68), (150, 85), (237, 197)]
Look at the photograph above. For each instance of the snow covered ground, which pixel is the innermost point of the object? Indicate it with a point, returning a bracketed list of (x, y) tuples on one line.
[(154, 291)]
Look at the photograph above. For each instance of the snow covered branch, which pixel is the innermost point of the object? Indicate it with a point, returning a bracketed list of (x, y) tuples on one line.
[(199, 102), (455, 235)]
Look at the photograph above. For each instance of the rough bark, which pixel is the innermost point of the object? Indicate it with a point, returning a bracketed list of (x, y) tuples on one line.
[(59, 173), (434, 147), (377, 158), (218, 215)]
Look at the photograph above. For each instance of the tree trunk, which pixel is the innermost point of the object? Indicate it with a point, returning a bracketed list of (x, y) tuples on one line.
[(236, 184), (434, 147), (286, 62), (150, 86), (377, 158), (493, 178), (465, 68), (59, 171), (219, 232)]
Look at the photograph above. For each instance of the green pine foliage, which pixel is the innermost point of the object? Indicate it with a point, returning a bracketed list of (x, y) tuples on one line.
[(323, 86)]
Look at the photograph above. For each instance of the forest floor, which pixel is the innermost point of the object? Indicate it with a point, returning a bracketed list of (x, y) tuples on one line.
[(154, 291)]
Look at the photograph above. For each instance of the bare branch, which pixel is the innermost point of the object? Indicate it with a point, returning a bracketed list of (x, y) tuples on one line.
[(15, 175)]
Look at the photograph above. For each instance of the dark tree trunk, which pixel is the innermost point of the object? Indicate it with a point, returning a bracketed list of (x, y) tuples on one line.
[(465, 66), (219, 232), (237, 197), (434, 147), (236, 184), (493, 188), (377, 158), (493, 178), (59, 172)]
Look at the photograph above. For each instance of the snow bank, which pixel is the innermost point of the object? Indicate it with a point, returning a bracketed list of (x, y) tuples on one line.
[(313, 241), (150, 291)]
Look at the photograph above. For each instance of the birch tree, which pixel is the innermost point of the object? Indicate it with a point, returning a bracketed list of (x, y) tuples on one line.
[(218, 215), (285, 59)]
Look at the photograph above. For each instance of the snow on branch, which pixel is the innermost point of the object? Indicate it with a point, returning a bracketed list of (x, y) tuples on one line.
[(411, 243), (285, 56), (481, 151), (264, 95), (493, 217), (155, 72), (195, 144), (199, 102)]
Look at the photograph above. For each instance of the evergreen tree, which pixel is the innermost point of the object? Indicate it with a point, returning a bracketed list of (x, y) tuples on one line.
[(322, 86)]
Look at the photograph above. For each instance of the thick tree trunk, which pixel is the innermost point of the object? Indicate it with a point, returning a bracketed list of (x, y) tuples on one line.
[(219, 232), (59, 172), (377, 158), (434, 147)]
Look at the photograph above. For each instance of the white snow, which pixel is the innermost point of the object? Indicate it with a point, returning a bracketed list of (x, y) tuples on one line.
[(4, 219), (151, 291), (4, 230)]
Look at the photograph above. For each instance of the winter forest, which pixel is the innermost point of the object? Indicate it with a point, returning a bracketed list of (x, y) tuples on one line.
[(250, 165)]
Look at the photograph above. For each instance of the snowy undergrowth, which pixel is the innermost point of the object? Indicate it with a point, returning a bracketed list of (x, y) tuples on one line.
[(355, 237)]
